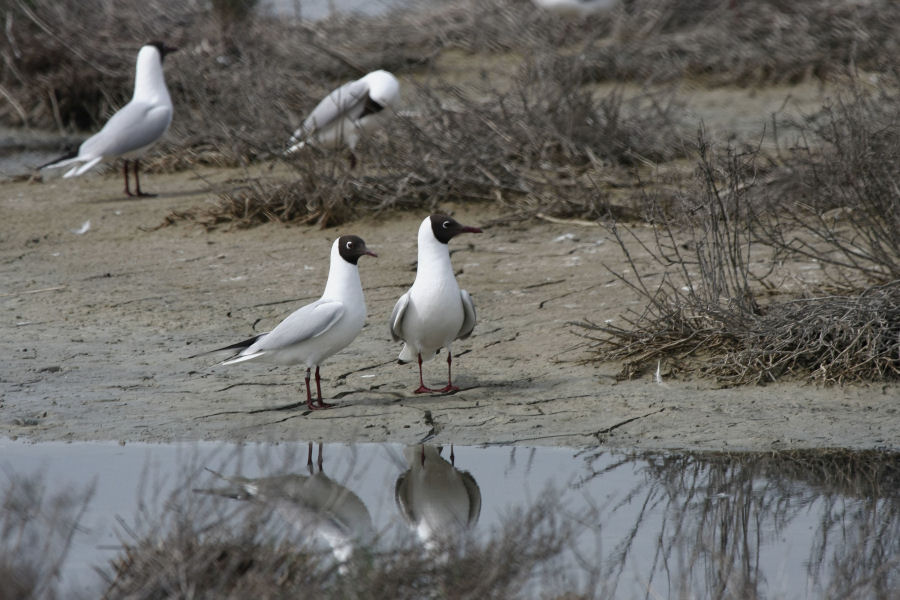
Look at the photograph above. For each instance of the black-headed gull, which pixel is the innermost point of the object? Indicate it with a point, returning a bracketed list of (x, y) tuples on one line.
[(135, 127), (314, 332), (355, 108), (434, 312), (437, 500)]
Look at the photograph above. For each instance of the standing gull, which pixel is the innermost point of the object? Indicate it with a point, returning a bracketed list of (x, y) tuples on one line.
[(314, 332), (135, 127), (355, 108), (434, 312)]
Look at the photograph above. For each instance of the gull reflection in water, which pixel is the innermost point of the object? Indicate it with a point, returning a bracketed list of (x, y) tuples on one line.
[(314, 504), (437, 500)]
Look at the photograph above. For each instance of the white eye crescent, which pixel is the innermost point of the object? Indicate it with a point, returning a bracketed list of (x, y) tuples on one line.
[(349, 245), (446, 224)]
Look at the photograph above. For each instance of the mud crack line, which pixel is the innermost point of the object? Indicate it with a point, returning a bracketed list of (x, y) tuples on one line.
[(627, 421)]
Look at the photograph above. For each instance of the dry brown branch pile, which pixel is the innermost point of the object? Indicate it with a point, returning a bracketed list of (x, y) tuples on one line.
[(832, 339), (545, 145), (843, 206), (748, 43), (706, 313)]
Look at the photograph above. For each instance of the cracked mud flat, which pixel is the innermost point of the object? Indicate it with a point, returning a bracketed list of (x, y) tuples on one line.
[(97, 329)]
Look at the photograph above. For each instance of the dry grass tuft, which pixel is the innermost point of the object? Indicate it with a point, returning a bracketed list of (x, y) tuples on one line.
[(706, 313), (843, 209), (747, 43), (832, 339)]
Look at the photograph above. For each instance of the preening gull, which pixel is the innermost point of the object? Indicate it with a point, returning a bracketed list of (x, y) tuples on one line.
[(132, 130), (356, 108)]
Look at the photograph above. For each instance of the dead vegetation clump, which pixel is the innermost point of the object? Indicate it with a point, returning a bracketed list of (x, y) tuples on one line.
[(747, 43), (242, 80), (832, 339), (843, 207), (726, 507), (706, 313), (714, 514), (545, 145)]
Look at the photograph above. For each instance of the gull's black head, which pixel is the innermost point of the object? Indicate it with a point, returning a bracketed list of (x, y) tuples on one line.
[(445, 228), (351, 247), (370, 107), (163, 49)]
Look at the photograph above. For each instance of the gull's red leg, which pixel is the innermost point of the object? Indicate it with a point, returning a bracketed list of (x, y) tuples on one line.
[(319, 392), (421, 389), (137, 181), (125, 173), (449, 387), (309, 402)]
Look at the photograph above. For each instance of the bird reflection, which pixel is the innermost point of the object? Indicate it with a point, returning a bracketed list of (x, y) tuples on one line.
[(314, 504), (437, 499)]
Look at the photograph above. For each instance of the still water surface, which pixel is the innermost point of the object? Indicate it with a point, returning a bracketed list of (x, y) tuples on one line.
[(802, 525)]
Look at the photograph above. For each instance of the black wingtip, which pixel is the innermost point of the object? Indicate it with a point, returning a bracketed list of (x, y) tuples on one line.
[(67, 156), (238, 346)]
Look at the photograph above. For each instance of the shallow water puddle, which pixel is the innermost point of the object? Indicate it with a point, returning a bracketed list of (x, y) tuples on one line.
[(801, 524)]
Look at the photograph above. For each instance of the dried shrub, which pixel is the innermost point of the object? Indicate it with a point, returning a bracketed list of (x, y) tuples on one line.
[(73, 63), (544, 145), (241, 80), (704, 299), (832, 339), (747, 43), (705, 313), (843, 208)]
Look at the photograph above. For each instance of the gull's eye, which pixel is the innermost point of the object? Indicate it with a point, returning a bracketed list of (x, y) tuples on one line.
[(446, 225), (349, 245)]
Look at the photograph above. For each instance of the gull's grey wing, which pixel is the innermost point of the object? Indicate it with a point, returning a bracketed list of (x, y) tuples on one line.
[(397, 316), (136, 125), (303, 324), (346, 101), (468, 315)]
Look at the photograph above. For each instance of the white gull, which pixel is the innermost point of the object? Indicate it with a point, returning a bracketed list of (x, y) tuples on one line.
[(434, 312), (132, 130), (318, 330), (356, 108)]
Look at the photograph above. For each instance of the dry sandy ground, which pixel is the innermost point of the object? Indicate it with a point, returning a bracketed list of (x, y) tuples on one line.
[(98, 328)]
